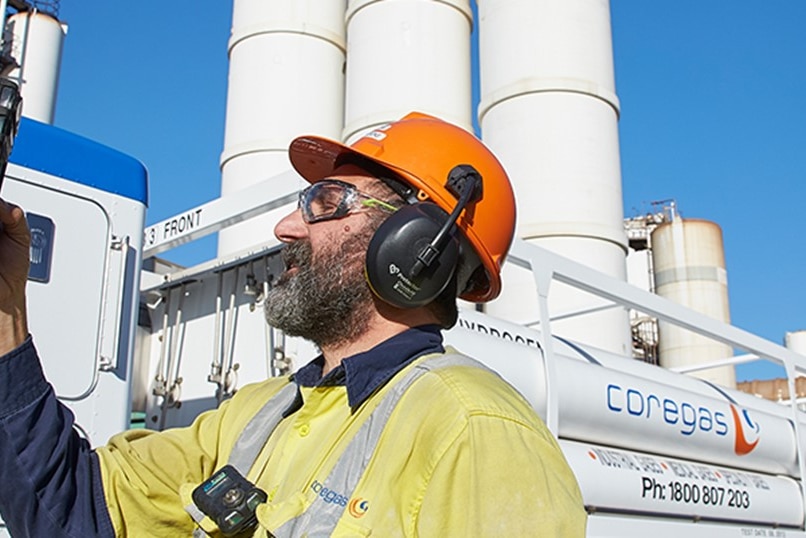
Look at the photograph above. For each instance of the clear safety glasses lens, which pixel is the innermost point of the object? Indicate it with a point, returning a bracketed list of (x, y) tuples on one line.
[(333, 199)]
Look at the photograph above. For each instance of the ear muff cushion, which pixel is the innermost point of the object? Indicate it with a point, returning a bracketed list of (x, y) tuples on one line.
[(393, 252)]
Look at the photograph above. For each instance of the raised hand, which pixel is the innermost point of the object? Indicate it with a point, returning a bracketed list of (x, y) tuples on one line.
[(15, 242)]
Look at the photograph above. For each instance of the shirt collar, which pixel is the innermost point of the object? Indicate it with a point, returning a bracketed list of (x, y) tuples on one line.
[(365, 372)]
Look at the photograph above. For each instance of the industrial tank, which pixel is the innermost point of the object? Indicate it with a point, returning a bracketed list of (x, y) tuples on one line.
[(406, 55), (286, 77), (689, 265), (550, 113), (36, 44), (796, 341)]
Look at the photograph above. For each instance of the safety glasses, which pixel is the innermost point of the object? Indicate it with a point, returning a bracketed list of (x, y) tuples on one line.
[(333, 199)]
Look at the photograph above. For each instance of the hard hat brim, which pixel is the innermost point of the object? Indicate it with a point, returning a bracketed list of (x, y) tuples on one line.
[(316, 158)]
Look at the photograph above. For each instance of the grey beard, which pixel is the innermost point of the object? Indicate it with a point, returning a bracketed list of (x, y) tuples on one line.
[(327, 300)]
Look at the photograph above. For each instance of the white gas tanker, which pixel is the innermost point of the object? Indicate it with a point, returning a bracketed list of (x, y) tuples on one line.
[(646, 441)]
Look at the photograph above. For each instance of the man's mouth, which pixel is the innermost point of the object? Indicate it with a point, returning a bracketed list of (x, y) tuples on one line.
[(294, 259), (290, 259)]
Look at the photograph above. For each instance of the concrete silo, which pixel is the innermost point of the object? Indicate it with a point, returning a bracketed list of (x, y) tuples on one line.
[(35, 44), (286, 77), (405, 55), (550, 112), (689, 269)]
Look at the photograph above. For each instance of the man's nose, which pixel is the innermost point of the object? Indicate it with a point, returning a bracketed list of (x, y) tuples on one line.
[(292, 227)]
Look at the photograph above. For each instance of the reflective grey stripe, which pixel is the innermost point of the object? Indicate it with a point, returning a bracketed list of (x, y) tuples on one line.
[(252, 439), (254, 436), (320, 519), (194, 512)]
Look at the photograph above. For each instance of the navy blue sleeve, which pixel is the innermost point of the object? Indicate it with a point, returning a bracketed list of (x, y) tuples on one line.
[(50, 481)]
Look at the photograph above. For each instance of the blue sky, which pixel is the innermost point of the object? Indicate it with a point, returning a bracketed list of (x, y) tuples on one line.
[(713, 115)]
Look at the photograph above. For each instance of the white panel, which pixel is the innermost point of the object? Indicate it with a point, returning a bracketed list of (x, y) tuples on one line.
[(80, 246), (79, 315), (638, 269)]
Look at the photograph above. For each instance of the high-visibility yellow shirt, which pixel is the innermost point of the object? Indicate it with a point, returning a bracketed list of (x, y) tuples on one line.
[(462, 454)]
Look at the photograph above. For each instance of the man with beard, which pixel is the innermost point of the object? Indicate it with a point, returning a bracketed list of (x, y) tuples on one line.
[(325, 299), (387, 432)]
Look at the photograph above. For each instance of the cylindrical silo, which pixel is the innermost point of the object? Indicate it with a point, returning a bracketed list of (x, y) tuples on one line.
[(689, 262), (286, 78), (36, 44), (550, 112), (796, 341), (405, 55)]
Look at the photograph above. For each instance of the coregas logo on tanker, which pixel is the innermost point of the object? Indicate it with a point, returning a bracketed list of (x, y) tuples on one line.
[(747, 432), (685, 417)]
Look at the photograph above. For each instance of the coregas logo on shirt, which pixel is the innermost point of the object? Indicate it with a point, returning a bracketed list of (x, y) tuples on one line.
[(356, 507), (328, 495), (686, 417)]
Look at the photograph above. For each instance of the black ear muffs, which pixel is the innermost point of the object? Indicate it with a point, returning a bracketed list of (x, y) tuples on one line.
[(393, 267)]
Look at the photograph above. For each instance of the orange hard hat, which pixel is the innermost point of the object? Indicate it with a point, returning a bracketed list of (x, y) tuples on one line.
[(421, 151)]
